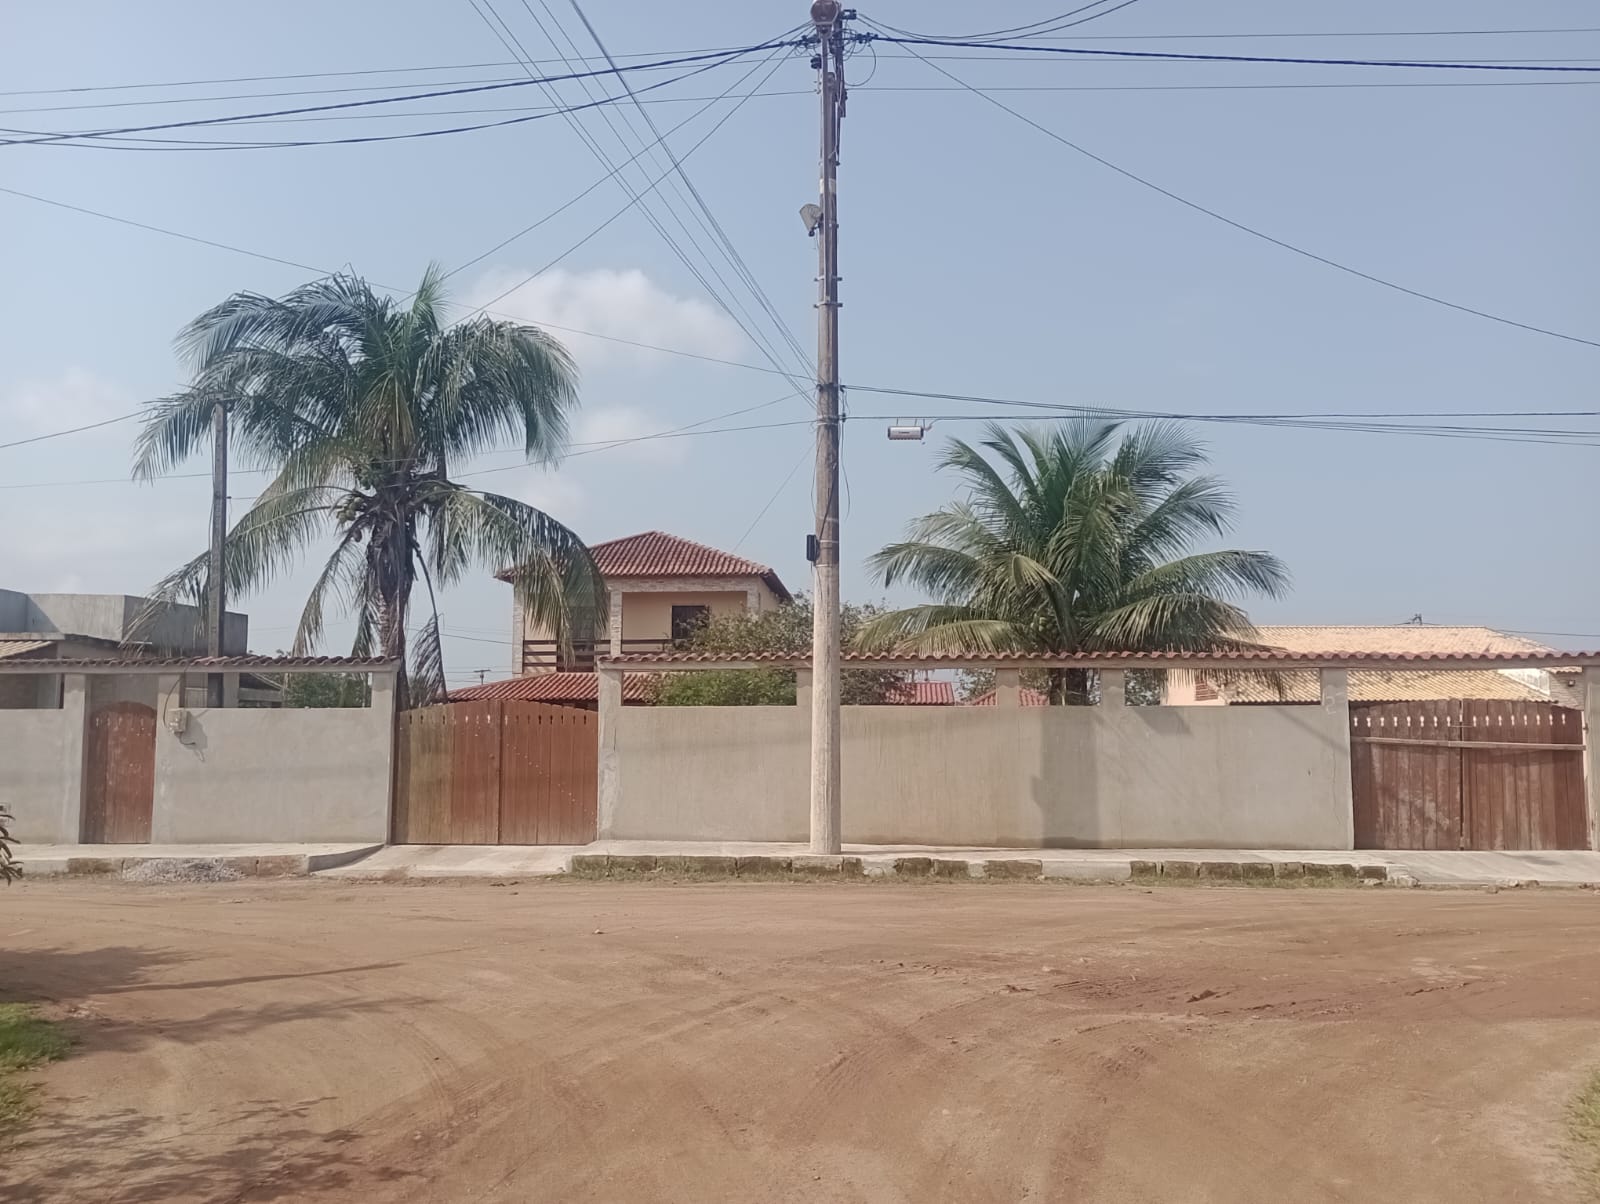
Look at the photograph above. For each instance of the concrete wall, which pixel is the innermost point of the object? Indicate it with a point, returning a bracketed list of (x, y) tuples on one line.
[(114, 616), (647, 604), (1106, 776), (41, 767), (240, 776)]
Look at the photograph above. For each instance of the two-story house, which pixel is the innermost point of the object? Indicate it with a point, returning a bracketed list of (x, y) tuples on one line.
[(659, 587)]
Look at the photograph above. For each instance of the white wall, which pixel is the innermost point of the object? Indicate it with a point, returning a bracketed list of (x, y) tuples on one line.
[(306, 776), (41, 758), (1107, 776)]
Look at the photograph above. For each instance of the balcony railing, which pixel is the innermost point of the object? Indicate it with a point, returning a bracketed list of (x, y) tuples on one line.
[(538, 655)]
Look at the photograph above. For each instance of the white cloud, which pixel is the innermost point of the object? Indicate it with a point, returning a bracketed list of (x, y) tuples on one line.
[(72, 398), (605, 424), (623, 304)]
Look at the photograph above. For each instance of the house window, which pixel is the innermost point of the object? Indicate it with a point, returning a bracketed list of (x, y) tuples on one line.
[(686, 620)]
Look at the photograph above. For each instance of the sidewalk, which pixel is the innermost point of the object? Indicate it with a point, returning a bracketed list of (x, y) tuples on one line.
[(1095, 865)]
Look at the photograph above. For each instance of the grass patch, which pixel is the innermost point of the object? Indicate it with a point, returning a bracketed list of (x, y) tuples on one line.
[(1584, 1122), (27, 1040)]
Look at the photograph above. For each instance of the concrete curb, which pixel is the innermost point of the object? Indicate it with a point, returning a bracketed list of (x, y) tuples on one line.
[(958, 869), (299, 865)]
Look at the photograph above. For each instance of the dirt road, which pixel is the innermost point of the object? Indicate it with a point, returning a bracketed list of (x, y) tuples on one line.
[(634, 1043)]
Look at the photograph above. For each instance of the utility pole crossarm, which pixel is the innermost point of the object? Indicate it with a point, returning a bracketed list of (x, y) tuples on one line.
[(826, 819)]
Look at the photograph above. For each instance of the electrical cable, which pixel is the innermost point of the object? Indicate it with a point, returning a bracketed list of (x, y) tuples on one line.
[(94, 141), (673, 211), (92, 426), (1173, 55), (1240, 226), (776, 493), (542, 81), (727, 303), (323, 271), (1140, 37), (736, 260)]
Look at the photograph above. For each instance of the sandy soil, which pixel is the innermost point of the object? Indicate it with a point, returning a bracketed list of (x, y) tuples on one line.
[(604, 1042)]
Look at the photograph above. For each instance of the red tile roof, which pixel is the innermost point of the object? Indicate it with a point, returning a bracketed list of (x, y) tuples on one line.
[(553, 687), (922, 694), (658, 554)]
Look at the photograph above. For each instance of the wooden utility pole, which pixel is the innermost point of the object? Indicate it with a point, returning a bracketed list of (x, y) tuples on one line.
[(828, 17), (216, 594)]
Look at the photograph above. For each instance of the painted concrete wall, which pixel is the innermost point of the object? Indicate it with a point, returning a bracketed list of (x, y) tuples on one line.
[(41, 766), (647, 603), (40, 762), (114, 617), (239, 776), (1108, 776)]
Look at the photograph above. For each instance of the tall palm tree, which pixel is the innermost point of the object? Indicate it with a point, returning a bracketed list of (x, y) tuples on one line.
[(1070, 541), (359, 406)]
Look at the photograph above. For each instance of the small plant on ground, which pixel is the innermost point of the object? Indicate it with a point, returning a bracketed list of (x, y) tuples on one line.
[(9, 869), (1585, 1125), (27, 1040)]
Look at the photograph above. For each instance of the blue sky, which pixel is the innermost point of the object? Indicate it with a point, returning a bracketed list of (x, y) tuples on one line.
[(979, 257)]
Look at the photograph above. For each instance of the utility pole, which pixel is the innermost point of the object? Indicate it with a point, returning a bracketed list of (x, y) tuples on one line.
[(828, 17), (216, 595)]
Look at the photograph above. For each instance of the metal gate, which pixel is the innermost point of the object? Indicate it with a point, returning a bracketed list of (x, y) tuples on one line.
[(1454, 773), (120, 777), (496, 772)]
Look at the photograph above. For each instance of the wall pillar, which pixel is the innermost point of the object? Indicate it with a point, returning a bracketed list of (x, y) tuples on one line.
[(752, 600), (75, 713), (383, 708), (610, 789), (230, 691), (1113, 687), (1008, 688), (802, 688), (1336, 705), (1591, 751), (614, 597)]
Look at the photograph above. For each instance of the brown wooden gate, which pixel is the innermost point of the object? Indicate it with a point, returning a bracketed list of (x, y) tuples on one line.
[(120, 775), (496, 772), (1454, 773)]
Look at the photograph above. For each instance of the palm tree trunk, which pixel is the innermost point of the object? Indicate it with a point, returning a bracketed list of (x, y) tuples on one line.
[(391, 570), (1072, 687)]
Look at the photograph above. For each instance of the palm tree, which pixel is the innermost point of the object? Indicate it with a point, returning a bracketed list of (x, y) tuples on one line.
[(1070, 541), (359, 406)]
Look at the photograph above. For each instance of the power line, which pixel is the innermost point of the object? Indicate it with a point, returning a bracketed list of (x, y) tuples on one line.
[(736, 260), (805, 454), (70, 431), (1173, 55), (93, 141), (324, 271), (542, 81), (1240, 226), (505, 242), (636, 198), (494, 65)]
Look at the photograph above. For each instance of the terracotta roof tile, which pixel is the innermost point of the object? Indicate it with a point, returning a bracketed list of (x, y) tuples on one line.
[(923, 694), (658, 554), (1400, 637), (553, 687)]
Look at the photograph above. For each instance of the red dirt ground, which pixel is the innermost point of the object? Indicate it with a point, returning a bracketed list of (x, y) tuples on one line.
[(617, 1042)]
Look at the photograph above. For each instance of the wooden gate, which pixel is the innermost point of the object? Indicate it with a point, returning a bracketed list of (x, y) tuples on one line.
[(1454, 773), (120, 775), (496, 772)]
